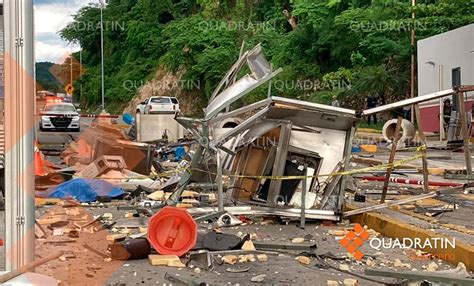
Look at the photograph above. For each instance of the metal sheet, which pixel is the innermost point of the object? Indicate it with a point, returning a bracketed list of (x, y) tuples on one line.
[(313, 106), (236, 91), (410, 101), (244, 126), (258, 130), (313, 118), (283, 212), (279, 164), (237, 112)]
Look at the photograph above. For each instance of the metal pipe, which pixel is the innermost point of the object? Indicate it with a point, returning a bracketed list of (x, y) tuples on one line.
[(303, 199), (411, 181), (19, 133), (220, 188), (102, 52)]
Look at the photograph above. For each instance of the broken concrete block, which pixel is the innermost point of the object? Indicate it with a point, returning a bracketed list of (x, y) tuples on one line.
[(262, 257), (250, 257), (303, 260), (165, 260), (432, 267), (258, 278), (242, 258), (297, 240), (350, 282), (337, 232), (230, 259), (370, 262), (248, 245), (397, 263), (197, 270), (344, 267)]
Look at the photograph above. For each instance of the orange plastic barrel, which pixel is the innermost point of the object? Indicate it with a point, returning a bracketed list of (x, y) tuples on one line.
[(172, 231)]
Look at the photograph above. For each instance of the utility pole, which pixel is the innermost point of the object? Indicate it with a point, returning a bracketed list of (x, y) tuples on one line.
[(80, 71), (102, 51), (19, 133), (412, 42)]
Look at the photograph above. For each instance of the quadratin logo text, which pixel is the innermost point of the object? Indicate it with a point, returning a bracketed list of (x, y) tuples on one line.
[(354, 239)]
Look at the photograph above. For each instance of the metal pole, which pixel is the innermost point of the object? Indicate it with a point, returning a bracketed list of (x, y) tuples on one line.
[(395, 139), (412, 43), (220, 188), (80, 71), (19, 133), (303, 198), (102, 51)]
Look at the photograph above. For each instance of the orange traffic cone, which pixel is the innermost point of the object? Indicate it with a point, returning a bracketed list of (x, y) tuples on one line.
[(39, 168)]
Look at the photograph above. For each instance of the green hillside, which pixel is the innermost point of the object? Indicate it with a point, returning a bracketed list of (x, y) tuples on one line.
[(344, 48)]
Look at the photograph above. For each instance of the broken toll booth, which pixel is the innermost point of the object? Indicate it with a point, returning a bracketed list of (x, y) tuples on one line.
[(277, 138)]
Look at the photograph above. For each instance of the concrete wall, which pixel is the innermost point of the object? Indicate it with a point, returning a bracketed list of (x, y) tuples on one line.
[(151, 127), (437, 56)]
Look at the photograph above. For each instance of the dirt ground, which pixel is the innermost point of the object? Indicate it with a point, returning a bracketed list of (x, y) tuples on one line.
[(89, 268)]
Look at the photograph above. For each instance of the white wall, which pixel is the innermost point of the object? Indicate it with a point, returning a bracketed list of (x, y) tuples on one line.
[(445, 52)]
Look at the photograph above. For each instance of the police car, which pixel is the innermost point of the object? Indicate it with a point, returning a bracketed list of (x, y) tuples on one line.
[(60, 116)]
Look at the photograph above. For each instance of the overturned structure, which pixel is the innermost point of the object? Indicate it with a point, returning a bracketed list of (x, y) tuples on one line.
[(284, 153)]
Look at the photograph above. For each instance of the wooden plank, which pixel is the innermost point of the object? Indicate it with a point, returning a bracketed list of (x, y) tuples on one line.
[(391, 158), (462, 114), (421, 134)]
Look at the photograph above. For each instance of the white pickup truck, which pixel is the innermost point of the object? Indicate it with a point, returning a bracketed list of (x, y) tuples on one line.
[(159, 105)]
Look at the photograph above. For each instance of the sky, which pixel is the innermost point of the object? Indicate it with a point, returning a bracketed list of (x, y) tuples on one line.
[(50, 17)]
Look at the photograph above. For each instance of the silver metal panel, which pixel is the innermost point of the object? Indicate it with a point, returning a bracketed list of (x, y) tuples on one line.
[(410, 101), (19, 133), (258, 130), (283, 212), (313, 118), (230, 75), (312, 106), (237, 112), (244, 126), (236, 91), (279, 164)]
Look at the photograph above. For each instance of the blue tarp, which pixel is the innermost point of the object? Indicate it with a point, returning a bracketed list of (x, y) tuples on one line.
[(83, 190)]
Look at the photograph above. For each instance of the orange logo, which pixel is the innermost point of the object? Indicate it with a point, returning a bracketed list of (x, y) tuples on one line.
[(354, 239)]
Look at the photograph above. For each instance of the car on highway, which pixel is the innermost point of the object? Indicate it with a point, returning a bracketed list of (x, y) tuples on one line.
[(60, 116), (159, 105)]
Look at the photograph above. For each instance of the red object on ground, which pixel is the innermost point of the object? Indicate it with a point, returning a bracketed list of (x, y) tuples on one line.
[(172, 231), (412, 182)]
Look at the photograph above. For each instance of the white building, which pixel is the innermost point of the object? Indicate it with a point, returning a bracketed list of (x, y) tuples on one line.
[(444, 60)]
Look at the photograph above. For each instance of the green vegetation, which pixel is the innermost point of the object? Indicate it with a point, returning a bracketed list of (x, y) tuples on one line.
[(344, 48), (45, 79)]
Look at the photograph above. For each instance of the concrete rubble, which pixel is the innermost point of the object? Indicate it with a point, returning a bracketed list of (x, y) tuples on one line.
[(281, 197)]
